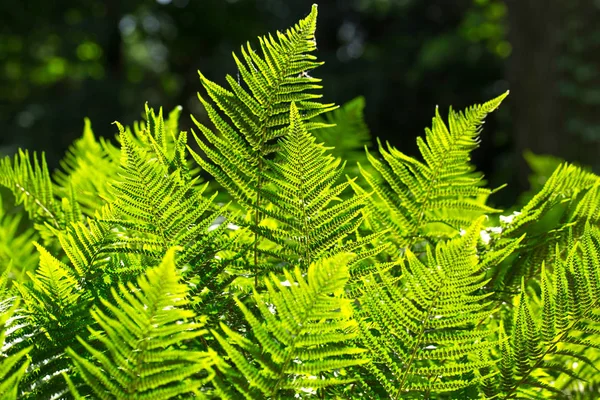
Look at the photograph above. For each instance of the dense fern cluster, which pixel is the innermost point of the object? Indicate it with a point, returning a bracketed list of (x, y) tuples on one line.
[(271, 257)]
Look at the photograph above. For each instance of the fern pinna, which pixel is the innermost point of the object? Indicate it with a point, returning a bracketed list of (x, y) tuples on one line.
[(259, 261)]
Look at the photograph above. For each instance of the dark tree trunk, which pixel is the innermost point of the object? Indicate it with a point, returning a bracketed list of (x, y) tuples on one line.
[(551, 39)]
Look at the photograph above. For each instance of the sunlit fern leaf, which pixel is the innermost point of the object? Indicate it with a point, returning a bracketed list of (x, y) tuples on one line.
[(55, 309), (87, 167), (16, 248), (301, 194), (425, 328), (433, 199), (157, 209), (12, 366), (258, 113), (29, 180), (557, 335), (143, 348), (569, 199), (304, 330)]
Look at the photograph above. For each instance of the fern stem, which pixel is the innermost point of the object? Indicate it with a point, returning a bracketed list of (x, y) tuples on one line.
[(40, 204), (415, 348)]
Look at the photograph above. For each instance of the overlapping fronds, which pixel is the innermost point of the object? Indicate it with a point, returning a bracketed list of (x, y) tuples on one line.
[(256, 107), (87, 167), (302, 195), (433, 199), (55, 309), (302, 333), (425, 328), (29, 180), (157, 209), (556, 215), (12, 366), (140, 351), (555, 336)]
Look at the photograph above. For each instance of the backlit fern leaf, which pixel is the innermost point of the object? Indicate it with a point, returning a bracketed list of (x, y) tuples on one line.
[(424, 329), (556, 215), (303, 331), (303, 197), (157, 209), (566, 340), (140, 352), (55, 309), (432, 199)]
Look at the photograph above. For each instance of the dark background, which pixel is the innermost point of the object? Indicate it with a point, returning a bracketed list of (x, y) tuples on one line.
[(63, 60)]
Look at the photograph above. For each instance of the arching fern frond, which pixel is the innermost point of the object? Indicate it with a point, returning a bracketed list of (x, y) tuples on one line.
[(259, 114), (304, 330), (157, 209), (433, 199), (556, 215), (142, 349), (425, 328)]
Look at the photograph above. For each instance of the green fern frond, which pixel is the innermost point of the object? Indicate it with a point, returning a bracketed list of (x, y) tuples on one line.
[(424, 329), (55, 309), (302, 195), (157, 209), (566, 339), (87, 168), (569, 199), (304, 330), (142, 349), (259, 113), (433, 199)]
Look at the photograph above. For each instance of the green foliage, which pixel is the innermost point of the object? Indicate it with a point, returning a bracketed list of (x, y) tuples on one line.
[(144, 335), (302, 333), (408, 286)]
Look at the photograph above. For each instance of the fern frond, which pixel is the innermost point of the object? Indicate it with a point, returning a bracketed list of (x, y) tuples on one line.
[(55, 309), (141, 350), (433, 199), (424, 329), (302, 195), (566, 339), (556, 215), (87, 167), (304, 330)]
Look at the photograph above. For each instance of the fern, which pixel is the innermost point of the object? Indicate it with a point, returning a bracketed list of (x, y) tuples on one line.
[(144, 337), (434, 199), (568, 331), (284, 283), (303, 331), (259, 114), (424, 328)]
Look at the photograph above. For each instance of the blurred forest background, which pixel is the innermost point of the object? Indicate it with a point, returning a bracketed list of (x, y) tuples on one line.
[(63, 60)]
